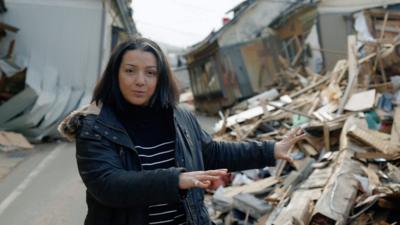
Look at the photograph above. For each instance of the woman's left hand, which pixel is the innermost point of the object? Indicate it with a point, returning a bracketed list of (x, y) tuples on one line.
[(282, 147)]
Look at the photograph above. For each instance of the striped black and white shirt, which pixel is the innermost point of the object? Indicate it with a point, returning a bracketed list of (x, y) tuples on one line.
[(154, 138), (160, 156)]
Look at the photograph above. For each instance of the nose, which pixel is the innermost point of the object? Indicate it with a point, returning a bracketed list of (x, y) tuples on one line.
[(140, 79)]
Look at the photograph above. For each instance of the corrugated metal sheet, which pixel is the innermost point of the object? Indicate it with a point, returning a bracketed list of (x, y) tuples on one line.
[(234, 64), (60, 44)]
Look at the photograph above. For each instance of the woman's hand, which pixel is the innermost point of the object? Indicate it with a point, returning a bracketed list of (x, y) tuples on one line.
[(282, 147), (200, 179)]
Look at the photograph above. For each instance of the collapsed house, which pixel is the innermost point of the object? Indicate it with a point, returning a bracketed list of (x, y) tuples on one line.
[(241, 59), (347, 170), (54, 52)]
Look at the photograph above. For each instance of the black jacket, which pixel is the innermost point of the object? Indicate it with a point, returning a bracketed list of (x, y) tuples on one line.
[(119, 191)]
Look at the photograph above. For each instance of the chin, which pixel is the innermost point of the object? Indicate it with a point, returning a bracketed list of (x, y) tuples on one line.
[(138, 103)]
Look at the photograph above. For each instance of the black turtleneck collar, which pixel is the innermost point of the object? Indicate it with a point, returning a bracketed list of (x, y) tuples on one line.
[(144, 123)]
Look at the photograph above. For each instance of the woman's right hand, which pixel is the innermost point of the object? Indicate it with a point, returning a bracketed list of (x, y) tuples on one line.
[(200, 179)]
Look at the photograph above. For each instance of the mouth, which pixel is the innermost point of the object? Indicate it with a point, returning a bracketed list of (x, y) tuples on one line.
[(139, 93)]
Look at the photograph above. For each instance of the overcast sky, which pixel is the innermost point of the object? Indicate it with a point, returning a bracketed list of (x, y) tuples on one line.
[(180, 22)]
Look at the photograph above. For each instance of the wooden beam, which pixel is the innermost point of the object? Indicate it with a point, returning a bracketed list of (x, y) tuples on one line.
[(291, 110), (395, 135), (373, 140), (248, 203), (353, 71), (252, 188), (337, 199), (310, 87), (299, 209)]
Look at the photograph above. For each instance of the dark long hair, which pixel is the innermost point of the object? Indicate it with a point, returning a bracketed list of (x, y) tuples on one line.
[(107, 90)]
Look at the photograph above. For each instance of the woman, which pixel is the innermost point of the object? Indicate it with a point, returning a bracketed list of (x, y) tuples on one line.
[(143, 159)]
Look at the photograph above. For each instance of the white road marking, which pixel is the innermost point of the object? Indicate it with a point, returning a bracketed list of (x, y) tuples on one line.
[(24, 184)]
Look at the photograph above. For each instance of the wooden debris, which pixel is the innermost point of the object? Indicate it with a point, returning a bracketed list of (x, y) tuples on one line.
[(11, 141), (353, 71), (318, 178), (337, 199), (372, 140), (395, 135), (299, 209), (393, 173), (252, 188), (248, 203), (345, 172)]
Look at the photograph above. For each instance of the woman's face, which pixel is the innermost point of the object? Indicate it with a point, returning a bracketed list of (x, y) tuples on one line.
[(138, 76)]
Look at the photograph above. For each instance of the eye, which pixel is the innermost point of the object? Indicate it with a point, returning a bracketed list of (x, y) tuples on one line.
[(151, 73)]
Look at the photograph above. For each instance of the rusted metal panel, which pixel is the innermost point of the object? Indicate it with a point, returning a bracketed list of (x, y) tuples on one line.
[(259, 64), (239, 82)]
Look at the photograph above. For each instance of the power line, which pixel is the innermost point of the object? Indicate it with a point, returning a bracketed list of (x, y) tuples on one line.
[(170, 28)]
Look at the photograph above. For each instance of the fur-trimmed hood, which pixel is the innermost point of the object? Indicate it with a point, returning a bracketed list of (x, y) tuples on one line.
[(71, 123)]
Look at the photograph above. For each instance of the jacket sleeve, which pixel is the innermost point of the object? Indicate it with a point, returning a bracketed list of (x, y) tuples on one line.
[(234, 156), (102, 172)]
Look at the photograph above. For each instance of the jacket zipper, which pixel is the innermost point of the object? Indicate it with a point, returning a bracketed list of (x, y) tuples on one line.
[(189, 215)]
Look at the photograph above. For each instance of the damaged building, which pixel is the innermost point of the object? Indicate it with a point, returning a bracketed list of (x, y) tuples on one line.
[(347, 169), (53, 53), (242, 58)]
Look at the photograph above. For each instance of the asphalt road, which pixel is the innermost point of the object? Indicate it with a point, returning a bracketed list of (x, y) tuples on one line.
[(44, 189)]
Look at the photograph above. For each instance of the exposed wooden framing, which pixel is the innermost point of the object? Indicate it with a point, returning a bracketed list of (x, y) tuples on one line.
[(353, 71), (299, 53), (378, 59)]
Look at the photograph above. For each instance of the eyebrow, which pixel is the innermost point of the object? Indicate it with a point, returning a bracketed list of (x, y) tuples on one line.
[(135, 65)]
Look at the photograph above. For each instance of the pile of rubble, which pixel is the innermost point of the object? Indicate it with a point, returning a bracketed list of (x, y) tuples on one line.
[(347, 170)]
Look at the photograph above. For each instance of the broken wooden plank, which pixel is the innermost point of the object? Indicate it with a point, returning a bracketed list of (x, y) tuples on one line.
[(368, 138), (353, 71), (8, 27), (310, 87), (299, 209), (303, 171), (248, 203), (291, 110), (373, 177), (318, 178), (375, 155), (393, 173), (307, 148), (252, 188), (395, 135), (337, 199)]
